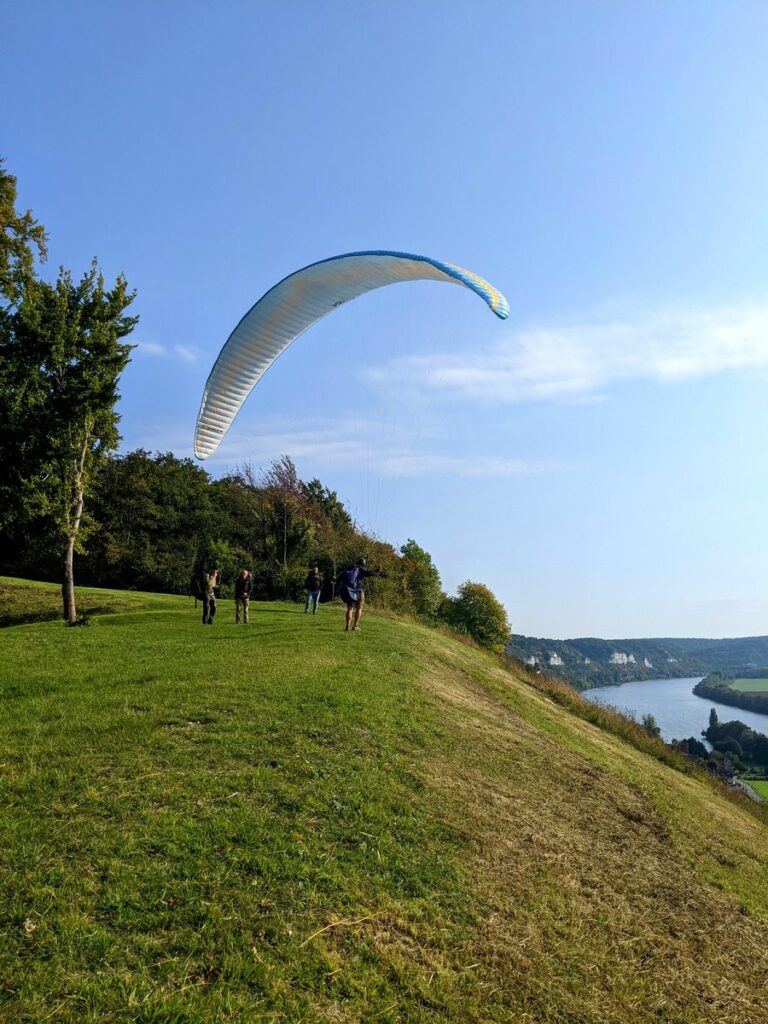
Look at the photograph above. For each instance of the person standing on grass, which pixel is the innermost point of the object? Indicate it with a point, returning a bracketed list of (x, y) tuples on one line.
[(351, 584), (314, 584), (210, 584), (243, 588)]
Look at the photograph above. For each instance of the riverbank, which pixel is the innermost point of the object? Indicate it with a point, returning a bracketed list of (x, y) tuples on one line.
[(745, 694)]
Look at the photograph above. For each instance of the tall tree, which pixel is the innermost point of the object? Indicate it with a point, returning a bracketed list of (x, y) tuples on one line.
[(22, 241), (291, 528), (423, 578), (64, 347)]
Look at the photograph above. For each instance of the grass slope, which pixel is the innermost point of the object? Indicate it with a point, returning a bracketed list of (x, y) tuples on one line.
[(285, 823), (24, 601)]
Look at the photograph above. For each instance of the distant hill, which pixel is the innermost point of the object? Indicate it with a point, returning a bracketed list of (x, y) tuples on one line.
[(587, 662)]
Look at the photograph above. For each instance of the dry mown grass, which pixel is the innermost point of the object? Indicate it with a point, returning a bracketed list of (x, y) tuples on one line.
[(605, 904)]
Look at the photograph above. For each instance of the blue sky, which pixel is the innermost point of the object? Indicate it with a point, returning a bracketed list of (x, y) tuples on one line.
[(599, 459)]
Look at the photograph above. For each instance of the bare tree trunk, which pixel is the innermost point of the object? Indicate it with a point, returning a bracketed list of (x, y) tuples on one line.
[(68, 584), (73, 525), (285, 550)]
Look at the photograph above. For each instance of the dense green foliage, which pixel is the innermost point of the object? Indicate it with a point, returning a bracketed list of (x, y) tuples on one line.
[(156, 520), (736, 749), (424, 579), (476, 612), (746, 746), (22, 240), (290, 823)]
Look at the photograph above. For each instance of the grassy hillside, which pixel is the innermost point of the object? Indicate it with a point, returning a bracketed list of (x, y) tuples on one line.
[(23, 601), (285, 823)]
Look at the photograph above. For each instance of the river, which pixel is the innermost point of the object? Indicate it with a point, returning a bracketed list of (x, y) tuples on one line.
[(679, 713)]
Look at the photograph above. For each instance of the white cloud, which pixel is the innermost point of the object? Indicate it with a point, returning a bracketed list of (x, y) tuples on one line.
[(580, 360), (189, 353), (352, 445), (151, 348)]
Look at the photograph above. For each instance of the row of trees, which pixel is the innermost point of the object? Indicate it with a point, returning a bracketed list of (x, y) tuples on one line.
[(156, 521), (735, 747), (153, 521), (746, 747)]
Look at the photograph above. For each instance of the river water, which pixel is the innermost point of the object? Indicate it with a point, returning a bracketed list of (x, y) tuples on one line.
[(679, 713)]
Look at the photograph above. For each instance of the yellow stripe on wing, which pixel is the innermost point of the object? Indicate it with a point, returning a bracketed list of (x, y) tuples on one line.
[(495, 297)]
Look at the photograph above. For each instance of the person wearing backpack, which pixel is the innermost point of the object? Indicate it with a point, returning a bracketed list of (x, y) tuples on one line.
[(351, 591), (314, 584)]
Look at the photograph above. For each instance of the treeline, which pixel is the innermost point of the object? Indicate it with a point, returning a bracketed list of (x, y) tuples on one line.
[(156, 521), (717, 686), (737, 744)]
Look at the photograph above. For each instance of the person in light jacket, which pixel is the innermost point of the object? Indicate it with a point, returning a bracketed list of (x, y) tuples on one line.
[(210, 586), (243, 588)]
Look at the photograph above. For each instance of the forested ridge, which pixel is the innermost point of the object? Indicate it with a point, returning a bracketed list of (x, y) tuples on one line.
[(587, 662)]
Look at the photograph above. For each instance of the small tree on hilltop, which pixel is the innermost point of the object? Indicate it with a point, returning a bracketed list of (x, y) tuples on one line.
[(65, 346), (477, 611), (423, 579)]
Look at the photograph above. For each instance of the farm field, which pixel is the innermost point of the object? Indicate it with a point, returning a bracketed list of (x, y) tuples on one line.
[(287, 823), (761, 786), (750, 685)]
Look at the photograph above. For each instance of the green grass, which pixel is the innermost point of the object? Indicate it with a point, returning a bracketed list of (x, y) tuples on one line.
[(750, 685), (760, 786), (287, 823), (23, 601)]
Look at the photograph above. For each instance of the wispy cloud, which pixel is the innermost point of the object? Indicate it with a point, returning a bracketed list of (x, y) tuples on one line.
[(187, 353), (580, 360), (348, 446), (151, 348)]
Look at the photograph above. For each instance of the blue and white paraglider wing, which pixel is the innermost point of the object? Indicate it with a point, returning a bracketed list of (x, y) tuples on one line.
[(293, 305)]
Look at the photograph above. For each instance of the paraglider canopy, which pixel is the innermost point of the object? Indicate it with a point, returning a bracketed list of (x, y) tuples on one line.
[(293, 305)]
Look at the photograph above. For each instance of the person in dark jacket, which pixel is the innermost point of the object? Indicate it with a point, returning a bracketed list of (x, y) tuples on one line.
[(243, 588), (197, 585), (210, 586), (351, 584), (314, 584)]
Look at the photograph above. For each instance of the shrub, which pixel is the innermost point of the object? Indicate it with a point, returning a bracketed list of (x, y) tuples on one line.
[(477, 611)]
